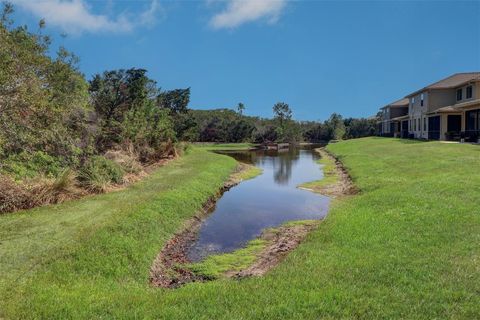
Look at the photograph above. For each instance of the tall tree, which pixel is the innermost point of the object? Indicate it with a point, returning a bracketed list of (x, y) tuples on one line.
[(282, 112), (240, 108), (38, 94), (287, 129), (125, 102), (335, 127), (176, 101)]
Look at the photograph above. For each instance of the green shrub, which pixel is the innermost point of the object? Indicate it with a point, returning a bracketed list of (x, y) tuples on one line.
[(182, 148), (99, 172), (25, 165)]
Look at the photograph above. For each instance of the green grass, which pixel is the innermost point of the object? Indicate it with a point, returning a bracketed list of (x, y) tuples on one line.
[(330, 176), (406, 247), (248, 172), (215, 266)]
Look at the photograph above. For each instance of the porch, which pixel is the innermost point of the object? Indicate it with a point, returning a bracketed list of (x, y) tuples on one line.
[(399, 127), (460, 122)]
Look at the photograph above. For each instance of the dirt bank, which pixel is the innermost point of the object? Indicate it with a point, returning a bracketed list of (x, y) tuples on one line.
[(281, 241), (342, 184)]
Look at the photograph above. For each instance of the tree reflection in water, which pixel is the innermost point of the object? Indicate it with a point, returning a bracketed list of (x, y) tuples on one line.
[(283, 163), (268, 200)]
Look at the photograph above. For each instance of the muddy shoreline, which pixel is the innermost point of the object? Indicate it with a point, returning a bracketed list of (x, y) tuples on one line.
[(281, 241)]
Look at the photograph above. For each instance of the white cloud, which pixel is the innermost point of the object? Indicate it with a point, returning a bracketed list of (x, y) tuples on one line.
[(239, 12), (75, 16), (149, 17)]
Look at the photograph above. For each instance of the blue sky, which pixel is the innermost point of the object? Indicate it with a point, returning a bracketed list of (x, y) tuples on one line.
[(349, 57)]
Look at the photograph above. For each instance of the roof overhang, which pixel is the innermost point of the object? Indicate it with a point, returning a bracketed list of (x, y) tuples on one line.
[(425, 89), (459, 107), (402, 103), (405, 117)]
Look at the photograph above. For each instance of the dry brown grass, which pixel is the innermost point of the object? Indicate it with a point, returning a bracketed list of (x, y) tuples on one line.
[(127, 158), (52, 191), (16, 196), (13, 196)]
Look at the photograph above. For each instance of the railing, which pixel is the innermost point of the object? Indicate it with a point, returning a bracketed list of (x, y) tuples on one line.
[(470, 135), (453, 136)]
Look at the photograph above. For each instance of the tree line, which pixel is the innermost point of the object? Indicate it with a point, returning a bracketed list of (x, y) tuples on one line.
[(228, 125)]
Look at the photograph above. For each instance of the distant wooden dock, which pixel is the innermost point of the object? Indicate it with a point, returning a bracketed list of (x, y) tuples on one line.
[(276, 146)]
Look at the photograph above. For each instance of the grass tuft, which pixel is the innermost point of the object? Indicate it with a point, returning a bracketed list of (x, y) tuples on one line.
[(98, 173), (214, 266)]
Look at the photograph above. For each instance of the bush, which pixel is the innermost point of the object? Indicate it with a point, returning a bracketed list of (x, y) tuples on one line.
[(99, 172), (127, 159), (24, 165), (182, 148)]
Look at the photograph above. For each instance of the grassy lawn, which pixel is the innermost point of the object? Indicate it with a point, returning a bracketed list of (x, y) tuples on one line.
[(407, 246)]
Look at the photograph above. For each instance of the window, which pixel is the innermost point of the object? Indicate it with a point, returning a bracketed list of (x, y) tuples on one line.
[(459, 94), (469, 92), (472, 120), (421, 100), (418, 124), (424, 124), (413, 100)]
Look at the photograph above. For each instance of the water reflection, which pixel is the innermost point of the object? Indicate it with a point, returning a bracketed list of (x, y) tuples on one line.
[(266, 201)]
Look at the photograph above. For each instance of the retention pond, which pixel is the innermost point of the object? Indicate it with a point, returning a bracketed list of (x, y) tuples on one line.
[(268, 200)]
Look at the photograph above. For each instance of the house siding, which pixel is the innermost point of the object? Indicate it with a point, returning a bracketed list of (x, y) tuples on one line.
[(417, 114), (441, 98)]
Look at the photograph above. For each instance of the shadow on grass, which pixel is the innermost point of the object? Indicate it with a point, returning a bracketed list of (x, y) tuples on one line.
[(404, 141), (412, 141)]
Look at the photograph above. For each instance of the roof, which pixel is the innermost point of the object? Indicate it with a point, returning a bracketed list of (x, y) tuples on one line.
[(452, 81), (457, 107), (397, 104), (446, 110), (400, 118)]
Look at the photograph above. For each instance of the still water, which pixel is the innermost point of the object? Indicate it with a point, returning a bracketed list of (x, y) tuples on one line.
[(268, 200)]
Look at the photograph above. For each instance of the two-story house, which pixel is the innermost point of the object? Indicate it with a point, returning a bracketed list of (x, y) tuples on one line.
[(446, 110), (391, 116)]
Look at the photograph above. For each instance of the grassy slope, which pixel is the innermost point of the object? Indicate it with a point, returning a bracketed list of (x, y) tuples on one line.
[(111, 236), (406, 247)]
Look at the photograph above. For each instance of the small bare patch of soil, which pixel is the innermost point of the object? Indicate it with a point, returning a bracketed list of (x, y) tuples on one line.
[(281, 241), (343, 186)]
